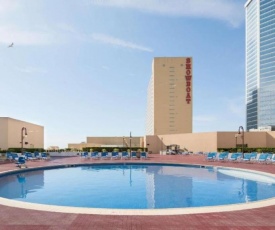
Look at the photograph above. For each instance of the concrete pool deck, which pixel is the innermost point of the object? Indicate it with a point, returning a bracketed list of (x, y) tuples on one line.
[(256, 218)]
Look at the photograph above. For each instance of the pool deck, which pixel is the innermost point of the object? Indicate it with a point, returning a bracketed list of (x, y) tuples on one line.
[(259, 218)]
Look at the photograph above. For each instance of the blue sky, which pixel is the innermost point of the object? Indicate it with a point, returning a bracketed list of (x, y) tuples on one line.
[(81, 68)]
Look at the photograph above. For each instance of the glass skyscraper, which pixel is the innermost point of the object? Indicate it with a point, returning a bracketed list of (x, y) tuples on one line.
[(260, 63)]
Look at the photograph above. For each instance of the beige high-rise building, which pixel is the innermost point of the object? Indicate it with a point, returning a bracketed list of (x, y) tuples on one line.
[(170, 97)]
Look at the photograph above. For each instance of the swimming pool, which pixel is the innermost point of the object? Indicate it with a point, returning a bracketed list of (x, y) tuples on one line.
[(137, 186)]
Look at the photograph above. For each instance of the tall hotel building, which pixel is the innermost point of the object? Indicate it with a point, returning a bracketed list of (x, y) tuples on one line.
[(260, 63), (170, 97)]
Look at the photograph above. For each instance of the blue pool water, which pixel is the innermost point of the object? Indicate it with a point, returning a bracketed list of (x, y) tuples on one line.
[(136, 186)]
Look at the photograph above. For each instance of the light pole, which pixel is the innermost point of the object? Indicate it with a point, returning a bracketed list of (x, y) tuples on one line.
[(239, 132), (22, 137), (123, 141), (130, 144)]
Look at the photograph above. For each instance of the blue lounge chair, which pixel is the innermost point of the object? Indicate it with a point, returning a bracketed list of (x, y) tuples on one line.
[(143, 155), (249, 157), (115, 155), (235, 157), (246, 157), (133, 155), (223, 156), (211, 156), (37, 156), (95, 155), (254, 156), (29, 156), (9, 156), (272, 159), (21, 162), (14, 156), (85, 155), (104, 155), (44, 156), (263, 158), (269, 157), (124, 155)]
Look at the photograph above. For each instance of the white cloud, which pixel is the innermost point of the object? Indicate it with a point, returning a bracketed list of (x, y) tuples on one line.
[(103, 38), (227, 10), (60, 33), (66, 28), (30, 70), (23, 37)]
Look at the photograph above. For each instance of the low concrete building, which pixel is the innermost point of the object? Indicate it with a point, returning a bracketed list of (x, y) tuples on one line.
[(109, 142), (211, 141), (13, 130)]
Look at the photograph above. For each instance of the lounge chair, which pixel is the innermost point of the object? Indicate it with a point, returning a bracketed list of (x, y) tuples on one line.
[(21, 162), (37, 156), (115, 155), (9, 156), (105, 155), (44, 156), (263, 158), (223, 156), (235, 157), (124, 155), (85, 155), (143, 155), (254, 156), (15, 156), (95, 155), (272, 159), (249, 157), (269, 157), (29, 156), (246, 157), (211, 156), (133, 155)]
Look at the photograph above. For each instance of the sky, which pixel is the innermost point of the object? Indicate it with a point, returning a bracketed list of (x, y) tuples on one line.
[(82, 68)]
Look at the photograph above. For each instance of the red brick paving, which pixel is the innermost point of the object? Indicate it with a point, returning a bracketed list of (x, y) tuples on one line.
[(261, 218)]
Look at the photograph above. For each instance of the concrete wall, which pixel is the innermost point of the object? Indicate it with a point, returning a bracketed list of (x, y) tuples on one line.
[(227, 139), (251, 139), (208, 142), (109, 141), (270, 139), (11, 130), (4, 133), (154, 144), (193, 141), (119, 141)]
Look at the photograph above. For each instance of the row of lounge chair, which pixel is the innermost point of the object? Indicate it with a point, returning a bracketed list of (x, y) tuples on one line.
[(20, 159), (238, 157), (113, 155), (27, 155)]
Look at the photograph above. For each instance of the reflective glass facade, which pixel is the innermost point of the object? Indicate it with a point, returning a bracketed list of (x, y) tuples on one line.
[(260, 63)]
